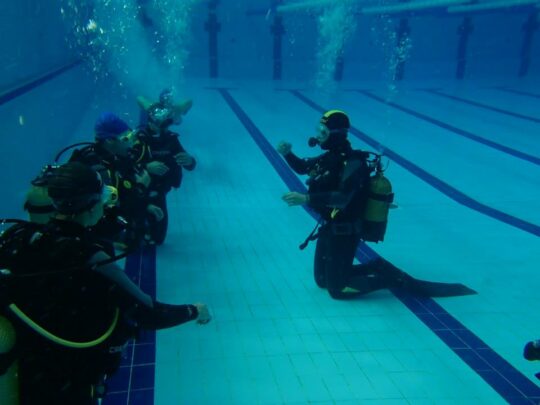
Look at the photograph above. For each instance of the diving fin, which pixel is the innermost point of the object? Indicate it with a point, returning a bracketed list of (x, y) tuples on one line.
[(422, 288)]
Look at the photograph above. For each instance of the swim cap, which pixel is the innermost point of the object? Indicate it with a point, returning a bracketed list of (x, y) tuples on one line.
[(109, 126), (74, 188), (336, 120)]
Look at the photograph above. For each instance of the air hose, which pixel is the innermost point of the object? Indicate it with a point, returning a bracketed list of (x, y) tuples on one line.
[(63, 342)]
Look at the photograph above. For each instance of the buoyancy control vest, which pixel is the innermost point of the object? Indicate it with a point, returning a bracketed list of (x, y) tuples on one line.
[(367, 211), (39, 262), (373, 198), (45, 271), (48, 287)]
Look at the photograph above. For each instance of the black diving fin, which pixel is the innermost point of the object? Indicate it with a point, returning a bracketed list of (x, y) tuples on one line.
[(422, 288)]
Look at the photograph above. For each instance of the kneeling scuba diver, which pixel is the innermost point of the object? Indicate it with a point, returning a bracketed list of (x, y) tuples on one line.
[(70, 307), (349, 192)]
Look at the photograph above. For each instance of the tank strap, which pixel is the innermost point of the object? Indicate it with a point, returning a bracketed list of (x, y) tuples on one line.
[(389, 198)]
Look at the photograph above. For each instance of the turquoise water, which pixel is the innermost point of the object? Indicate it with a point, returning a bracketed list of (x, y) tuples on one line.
[(463, 161)]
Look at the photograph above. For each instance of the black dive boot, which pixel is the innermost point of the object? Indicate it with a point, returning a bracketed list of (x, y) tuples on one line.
[(367, 277)]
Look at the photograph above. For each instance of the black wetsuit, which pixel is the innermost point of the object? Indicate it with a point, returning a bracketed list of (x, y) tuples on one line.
[(55, 285), (338, 191), (133, 198), (162, 148)]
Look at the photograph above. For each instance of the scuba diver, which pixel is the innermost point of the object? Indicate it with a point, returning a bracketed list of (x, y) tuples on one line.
[(353, 204), (112, 156), (160, 151), (67, 309)]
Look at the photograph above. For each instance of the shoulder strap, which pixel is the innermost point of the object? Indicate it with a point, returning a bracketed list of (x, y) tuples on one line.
[(25, 232), (356, 161)]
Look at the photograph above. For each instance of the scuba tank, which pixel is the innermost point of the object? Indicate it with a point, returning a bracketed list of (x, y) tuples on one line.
[(378, 204), (38, 204)]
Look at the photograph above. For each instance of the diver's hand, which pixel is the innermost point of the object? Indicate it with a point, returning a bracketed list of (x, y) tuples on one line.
[(184, 159), (155, 211), (143, 178), (144, 103), (204, 315), (156, 167), (294, 198), (284, 148)]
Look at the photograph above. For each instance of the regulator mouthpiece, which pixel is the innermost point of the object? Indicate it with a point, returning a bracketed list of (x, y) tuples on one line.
[(312, 142)]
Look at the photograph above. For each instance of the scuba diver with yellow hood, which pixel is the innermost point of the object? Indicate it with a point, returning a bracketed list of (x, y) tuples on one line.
[(352, 197)]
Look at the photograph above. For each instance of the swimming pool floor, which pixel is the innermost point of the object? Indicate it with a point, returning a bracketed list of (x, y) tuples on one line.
[(467, 212)]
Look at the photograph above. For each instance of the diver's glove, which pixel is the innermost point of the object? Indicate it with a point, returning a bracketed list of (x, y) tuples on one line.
[(162, 316), (157, 168), (284, 148)]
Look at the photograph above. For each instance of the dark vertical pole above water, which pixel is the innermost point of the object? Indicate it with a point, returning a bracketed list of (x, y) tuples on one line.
[(338, 73), (213, 27), (402, 33), (464, 30), (278, 30), (529, 27)]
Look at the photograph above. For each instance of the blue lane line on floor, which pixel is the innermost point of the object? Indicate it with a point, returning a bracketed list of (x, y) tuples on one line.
[(485, 106), (133, 384), (19, 91), (433, 181), (520, 92), (511, 384), (458, 131)]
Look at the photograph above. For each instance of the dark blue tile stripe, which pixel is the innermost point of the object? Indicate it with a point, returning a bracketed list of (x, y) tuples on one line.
[(19, 91), (458, 131), (485, 106), (134, 383), (520, 92), (440, 185), (279, 165), (494, 369), (497, 372)]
